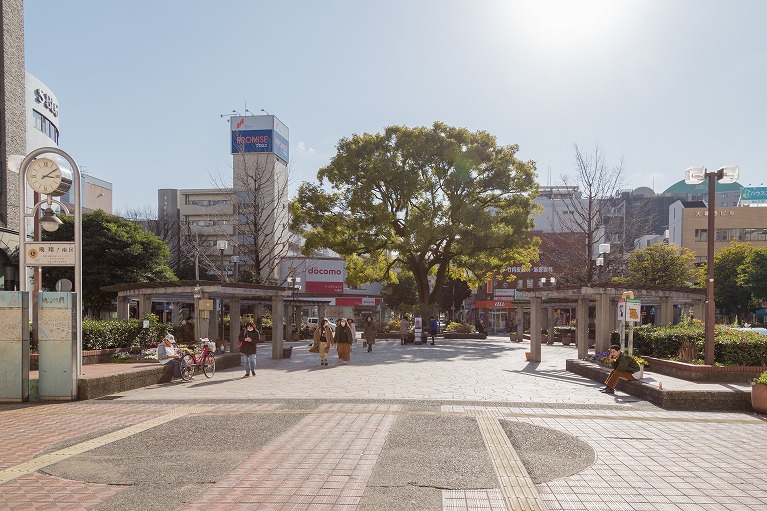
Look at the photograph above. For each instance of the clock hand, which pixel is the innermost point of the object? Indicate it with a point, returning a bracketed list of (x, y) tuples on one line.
[(49, 174)]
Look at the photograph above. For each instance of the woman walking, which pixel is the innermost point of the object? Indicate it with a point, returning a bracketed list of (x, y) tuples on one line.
[(369, 333), (248, 339), (404, 327), (323, 337), (354, 330), (343, 341)]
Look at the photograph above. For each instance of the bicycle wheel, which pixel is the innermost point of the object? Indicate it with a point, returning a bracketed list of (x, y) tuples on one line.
[(187, 367), (208, 365)]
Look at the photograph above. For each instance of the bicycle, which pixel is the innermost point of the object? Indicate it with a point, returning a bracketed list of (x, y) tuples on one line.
[(190, 363)]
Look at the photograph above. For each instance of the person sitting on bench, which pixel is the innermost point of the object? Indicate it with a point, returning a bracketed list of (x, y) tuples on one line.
[(624, 366), (167, 353)]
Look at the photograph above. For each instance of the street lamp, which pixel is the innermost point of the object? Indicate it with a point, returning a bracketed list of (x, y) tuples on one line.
[(295, 290), (222, 245), (694, 176), (604, 251)]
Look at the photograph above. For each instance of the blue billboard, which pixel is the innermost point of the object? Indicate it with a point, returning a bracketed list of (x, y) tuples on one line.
[(252, 141), (259, 134)]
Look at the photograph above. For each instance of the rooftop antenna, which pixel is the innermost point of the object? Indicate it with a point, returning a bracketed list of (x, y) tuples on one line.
[(246, 109)]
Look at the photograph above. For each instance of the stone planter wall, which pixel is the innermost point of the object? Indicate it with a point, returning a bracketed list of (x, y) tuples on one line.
[(89, 357), (703, 373)]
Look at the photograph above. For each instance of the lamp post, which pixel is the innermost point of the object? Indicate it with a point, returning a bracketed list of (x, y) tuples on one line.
[(295, 285), (604, 251), (694, 176), (222, 246)]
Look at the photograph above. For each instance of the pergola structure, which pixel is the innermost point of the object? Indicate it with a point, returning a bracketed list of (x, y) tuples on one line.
[(200, 293), (605, 296)]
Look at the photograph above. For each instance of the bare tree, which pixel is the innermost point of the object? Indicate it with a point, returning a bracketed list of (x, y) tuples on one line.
[(585, 211), (260, 196)]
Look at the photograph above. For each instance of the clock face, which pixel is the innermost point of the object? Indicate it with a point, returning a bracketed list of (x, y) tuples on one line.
[(45, 176)]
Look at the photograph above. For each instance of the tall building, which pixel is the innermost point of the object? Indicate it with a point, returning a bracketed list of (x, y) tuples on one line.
[(12, 131), (251, 216)]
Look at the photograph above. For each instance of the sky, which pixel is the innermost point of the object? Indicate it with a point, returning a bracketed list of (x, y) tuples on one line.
[(144, 87)]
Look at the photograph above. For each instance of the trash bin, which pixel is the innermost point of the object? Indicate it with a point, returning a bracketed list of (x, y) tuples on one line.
[(287, 352)]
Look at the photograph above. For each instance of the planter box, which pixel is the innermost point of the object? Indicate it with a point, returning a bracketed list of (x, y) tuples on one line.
[(464, 336), (704, 373)]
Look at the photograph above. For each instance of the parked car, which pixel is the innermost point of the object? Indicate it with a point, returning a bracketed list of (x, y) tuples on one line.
[(759, 330), (314, 323)]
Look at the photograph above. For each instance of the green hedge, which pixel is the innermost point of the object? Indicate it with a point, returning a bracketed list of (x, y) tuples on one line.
[(687, 341), (738, 347), (112, 333)]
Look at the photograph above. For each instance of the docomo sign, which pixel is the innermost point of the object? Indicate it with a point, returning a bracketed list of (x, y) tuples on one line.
[(325, 276)]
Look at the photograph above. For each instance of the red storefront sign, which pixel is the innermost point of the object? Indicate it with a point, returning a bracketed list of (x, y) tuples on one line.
[(494, 304)]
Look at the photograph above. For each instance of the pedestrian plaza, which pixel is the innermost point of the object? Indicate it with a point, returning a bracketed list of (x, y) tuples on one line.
[(461, 425)]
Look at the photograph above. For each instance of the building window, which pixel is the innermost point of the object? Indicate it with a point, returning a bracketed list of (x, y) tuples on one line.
[(753, 235), (701, 235), (46, 126), (724, 205), (725, 234)]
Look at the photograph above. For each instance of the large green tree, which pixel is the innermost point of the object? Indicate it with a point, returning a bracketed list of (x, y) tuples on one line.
[(662, 265), (439, 202), (731, 295), (114, 251), (397, 295), (753, 274)]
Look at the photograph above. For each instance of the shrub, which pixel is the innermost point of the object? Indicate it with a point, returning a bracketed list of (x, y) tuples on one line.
[(393, 325), (459, 328), (739, 347), (686, 342), (112, 333)]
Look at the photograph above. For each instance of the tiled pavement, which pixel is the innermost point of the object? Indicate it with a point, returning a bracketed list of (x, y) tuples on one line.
[(646, 458)]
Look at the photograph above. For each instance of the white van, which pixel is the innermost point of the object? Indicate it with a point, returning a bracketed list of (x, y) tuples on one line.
[(315, 322)]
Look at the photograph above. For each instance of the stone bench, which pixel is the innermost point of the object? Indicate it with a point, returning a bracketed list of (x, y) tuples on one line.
[(734, 400)]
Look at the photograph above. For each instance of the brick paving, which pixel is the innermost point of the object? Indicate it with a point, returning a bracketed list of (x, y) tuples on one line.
[(323, 462), (647, 459)]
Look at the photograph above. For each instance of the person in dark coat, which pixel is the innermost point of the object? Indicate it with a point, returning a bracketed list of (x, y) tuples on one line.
[(369, 333), (248, 339), (343, 340)]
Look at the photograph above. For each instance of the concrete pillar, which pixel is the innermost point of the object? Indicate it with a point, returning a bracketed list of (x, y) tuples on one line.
[(666, 311), (320, 313), (535, 329), (144, 306), (582, 326), (123, 308), (520, 318), (278, 305), (550, 322), (602, 323), (202, 319), (697, 309), (175, 313), (612, 305), (214, 325), (290, 311), (234, 323)]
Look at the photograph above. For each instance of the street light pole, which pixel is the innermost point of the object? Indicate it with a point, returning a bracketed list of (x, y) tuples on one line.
[(222, 246), (696, 175)]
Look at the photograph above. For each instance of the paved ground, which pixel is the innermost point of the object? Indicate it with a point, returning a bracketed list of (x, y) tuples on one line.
[(463, 425)]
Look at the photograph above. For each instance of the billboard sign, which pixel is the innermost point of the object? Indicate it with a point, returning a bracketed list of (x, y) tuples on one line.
[(325, 276), (756, 194), (259, 134)]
